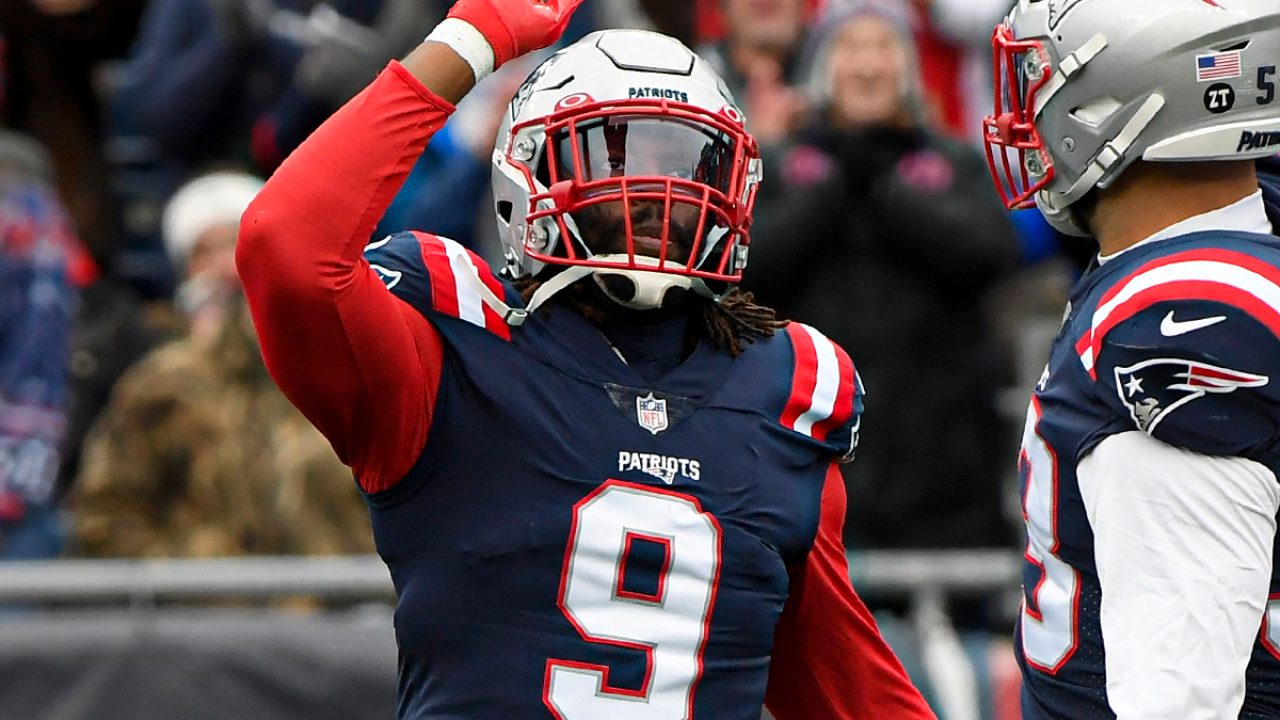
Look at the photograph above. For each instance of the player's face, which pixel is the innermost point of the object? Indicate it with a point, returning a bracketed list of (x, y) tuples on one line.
[(868, 67), (604, 228), (645, 151)]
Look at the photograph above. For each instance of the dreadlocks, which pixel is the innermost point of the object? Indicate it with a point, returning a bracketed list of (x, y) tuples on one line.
[(730, 324), (736, 320)]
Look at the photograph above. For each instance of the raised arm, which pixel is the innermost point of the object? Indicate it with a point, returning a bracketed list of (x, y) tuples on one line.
[(361, 365), (829, 660)]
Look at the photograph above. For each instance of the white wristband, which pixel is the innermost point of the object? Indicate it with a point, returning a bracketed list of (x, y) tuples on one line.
[(468, 42)]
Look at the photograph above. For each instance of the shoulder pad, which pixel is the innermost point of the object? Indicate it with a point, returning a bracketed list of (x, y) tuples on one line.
[(1197, 374), (1229, 278), (439, 277), (825, 401)]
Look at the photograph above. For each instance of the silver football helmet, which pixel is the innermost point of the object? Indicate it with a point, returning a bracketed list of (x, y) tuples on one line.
[(1084, 88), (625, 157)]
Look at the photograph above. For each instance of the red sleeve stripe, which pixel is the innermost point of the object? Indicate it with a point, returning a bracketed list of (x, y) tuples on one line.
[(822, 386), (1206, 254), (444, 293), (1234, 279), (805, 377), (843, 409), (453, 270)]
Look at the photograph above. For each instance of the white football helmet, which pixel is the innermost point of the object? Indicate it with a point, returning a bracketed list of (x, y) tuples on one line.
[(625, 157), (1085, 88)]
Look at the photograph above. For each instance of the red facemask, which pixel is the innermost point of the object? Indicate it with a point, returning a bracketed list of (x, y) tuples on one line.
[(674, 178), (1019, 163)]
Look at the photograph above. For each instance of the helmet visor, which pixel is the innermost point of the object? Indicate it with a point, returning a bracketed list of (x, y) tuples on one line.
[(643, 147), (633, 182)]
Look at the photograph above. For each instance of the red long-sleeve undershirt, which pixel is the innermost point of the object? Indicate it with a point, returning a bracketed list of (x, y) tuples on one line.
[(829, 660), (365, 367)]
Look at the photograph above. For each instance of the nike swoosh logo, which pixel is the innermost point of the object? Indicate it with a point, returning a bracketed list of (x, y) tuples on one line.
[(1172, 328)]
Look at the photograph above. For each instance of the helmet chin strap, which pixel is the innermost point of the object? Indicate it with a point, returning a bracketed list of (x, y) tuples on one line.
[(648, 288)]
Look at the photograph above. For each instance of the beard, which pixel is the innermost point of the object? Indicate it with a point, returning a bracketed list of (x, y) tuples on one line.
[(603, 228)]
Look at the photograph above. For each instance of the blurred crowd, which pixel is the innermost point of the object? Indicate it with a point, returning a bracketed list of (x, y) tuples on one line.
[(137, 420)]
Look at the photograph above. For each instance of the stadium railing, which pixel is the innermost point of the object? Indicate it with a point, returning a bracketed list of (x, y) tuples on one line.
[(927, 580), (922, 576)]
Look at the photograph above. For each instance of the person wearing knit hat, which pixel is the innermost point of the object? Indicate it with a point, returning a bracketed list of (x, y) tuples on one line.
[(197, 454), (863, 64), (912, 244), (202, 207), (200, 224)]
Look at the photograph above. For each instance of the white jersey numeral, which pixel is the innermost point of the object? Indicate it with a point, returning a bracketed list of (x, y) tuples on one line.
[(1049, 607), (669, 625)]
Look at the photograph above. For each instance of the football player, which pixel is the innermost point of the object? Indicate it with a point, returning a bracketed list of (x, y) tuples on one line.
[(603, 479), (1150, 458)]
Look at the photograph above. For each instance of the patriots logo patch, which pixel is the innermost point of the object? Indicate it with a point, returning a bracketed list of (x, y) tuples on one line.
[(1154, 388), (390, 278)]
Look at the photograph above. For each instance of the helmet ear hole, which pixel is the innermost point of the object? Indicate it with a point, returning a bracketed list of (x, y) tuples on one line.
[(505, 209), (1097, 111)]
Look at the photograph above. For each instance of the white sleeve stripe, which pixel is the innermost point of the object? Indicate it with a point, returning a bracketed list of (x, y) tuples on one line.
[(1086, 358), (1194, 270), (470, 304), (1231, 277), (827, 386)]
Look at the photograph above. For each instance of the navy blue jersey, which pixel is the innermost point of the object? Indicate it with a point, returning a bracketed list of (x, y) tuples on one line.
[(595, 537), (1178, 339)]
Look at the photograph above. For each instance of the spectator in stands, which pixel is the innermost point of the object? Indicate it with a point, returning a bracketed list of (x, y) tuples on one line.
[(198, 454), (211, 82), (885, 236), (761, 60), (36, 299), (708, 16), (113, 328), (762, 44), (202, 72), (50, 52), (342, 44), (955, 47), (200, 225)]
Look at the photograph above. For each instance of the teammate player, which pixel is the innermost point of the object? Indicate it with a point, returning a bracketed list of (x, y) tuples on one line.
[(605, 488), (1152, 447)]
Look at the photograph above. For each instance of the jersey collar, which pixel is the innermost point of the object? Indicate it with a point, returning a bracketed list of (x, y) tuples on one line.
[(1248, 215)]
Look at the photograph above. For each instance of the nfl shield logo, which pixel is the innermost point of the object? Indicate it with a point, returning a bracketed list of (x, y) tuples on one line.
[(651, 413)]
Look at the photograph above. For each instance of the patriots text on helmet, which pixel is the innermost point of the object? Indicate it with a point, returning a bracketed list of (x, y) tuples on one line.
[(1250, 141), (658, 94)]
